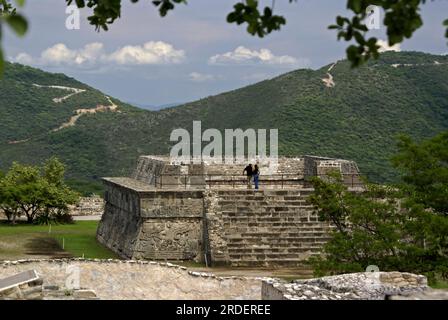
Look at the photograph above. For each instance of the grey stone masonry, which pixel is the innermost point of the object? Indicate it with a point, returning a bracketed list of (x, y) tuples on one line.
[(141, 222), (163, 173)]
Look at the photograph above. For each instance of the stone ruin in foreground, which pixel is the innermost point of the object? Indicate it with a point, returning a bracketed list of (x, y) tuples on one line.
[(46, 279), (204, 212)]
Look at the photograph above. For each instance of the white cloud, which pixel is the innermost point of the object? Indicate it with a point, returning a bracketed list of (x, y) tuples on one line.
[(243, 55), (384, 46), (153, 52), (200, 77), (23, 58), (60, 54)]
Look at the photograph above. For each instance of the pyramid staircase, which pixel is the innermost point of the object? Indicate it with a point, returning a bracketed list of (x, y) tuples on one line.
[(269, 228)]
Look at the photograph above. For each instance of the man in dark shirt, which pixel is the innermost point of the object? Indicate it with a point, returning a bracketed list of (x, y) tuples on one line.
[(249, 171)]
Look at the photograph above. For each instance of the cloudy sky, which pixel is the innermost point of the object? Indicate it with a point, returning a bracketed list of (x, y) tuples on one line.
[(191, 53)]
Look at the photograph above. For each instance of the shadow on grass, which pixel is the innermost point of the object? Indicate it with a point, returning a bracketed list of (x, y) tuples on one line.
[(45, 246)]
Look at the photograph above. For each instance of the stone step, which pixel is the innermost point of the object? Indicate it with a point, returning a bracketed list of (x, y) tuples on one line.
[(253, 256), (272, 207), (253, 232), (241, 234), (266, 191), (262, 198), (271, 219), (252, 224), (300, 235), (310, 238), (268, 256), (262, 211), (263, 223), (272, 263), (286, 217), (272, 242), (313, 241), (263, 202), (262, 193), (269, 228), (276, 239), (295, 247), (245, 233), (241, 247), (248, 246), (255, 195), (268, 245), (258, 212)]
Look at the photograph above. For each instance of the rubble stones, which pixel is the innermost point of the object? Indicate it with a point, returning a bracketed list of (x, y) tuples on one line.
[(353, 286)]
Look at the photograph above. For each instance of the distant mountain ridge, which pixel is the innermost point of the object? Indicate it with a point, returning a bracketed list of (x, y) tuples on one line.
[(154, 107), (334, 111)]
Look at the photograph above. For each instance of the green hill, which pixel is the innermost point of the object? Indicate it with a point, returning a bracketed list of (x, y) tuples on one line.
[(356, 115)]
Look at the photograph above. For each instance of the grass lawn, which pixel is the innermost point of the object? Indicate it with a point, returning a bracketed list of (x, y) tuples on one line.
[(23, 241), (440, 284)]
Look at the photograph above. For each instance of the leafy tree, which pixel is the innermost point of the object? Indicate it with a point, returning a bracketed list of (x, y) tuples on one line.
[(7, 203), (402, 19), (25, 188), (37, 192), (403, 227), (366, 230), (424, 168)]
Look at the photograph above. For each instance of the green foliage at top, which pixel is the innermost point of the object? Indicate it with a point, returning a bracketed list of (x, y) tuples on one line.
[(394, 228), (402, 19), (13, 19), (37, 192)]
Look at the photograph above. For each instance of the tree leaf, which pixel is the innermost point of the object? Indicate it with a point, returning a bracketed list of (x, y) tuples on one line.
[(18, 23), (20, 3)]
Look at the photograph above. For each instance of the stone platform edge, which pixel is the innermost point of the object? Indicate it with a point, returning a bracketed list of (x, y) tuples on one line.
[(8, 263)]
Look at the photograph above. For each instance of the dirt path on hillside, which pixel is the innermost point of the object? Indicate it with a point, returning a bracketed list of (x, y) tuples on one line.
[(435, 63), (80, 112), (61, 99), (328, 81)]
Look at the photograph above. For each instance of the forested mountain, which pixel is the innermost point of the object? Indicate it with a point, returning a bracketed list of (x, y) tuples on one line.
[(334, 111)]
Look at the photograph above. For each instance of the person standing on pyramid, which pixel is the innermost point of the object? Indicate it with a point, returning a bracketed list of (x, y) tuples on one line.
[(256, 175), (249, 171)]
